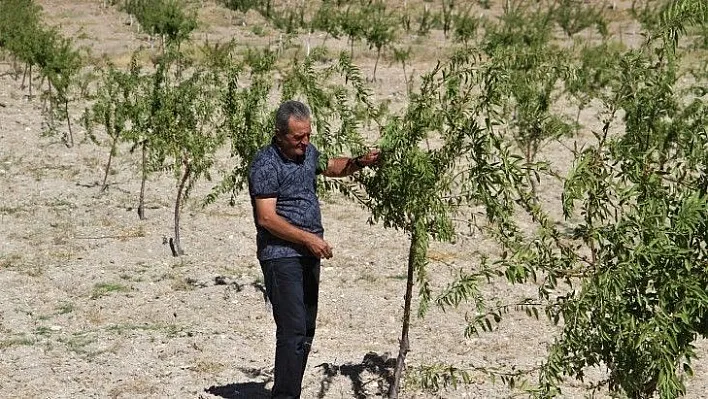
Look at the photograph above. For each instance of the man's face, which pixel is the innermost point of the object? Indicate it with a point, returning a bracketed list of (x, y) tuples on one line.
[(294, 144)]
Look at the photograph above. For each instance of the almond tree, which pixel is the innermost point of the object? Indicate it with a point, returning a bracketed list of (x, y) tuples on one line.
[(19, 22), (625, 268), (379, 29), (180, 128), (419, 190), (247, 119), (641, 195), (61, 70), (167, 19), (530, 71), (116, 102), (24, 36), (573, 16)]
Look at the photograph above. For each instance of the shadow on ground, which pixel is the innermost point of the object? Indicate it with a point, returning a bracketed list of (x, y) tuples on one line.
[(244, 390), (379, 373)]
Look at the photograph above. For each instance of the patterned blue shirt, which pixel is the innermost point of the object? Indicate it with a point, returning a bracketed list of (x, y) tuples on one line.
[(293, 183)]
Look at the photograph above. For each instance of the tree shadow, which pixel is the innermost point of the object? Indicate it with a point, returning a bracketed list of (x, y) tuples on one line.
[(381, 367), (244, 390), (261, 288)]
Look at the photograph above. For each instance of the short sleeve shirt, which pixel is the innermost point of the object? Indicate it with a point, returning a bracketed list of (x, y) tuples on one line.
[(293, 184)]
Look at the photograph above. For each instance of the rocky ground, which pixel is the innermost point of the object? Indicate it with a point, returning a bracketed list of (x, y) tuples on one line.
[(93, 305)]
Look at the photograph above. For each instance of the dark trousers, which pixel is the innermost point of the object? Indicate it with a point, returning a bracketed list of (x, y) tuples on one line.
[(292, 285)]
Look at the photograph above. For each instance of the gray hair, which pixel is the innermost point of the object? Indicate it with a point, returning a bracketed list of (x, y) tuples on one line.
[(290, 108)]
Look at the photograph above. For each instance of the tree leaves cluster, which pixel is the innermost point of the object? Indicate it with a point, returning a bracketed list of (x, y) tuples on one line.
[(168, 19), (632, 253)]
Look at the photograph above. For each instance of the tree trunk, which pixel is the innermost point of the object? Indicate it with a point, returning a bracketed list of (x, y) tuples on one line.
[(405, 79), (141, 197), (24, 76), (70, 143), (104, 185), (30, 81), (307, 45), (50, 105), (577, 120), (175, 244), (376, 64), (416, 256), (529, 175), (47, 100), (15, 69)]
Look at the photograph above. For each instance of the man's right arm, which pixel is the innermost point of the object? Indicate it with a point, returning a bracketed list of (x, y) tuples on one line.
[(267, 218)]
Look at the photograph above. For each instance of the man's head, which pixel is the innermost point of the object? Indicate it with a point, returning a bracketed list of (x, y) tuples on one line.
[(293, 128)]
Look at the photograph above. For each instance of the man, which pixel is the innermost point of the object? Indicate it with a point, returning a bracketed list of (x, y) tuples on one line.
[(290, 243)]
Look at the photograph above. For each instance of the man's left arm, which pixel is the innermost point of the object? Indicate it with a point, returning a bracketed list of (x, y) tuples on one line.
[(343, 166)]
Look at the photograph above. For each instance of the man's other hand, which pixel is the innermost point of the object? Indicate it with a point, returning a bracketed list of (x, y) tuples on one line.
[(319, 247)]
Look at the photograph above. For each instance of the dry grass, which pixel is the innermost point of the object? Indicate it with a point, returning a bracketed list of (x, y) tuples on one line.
[(20, 340), (102, 289), (139, 386)]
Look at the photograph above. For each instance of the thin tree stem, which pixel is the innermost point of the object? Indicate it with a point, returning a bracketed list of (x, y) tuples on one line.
[(405, 78), (68, 122), (141, 197), (24, 76), (104, 185), (577, 120), (529, 158), (176, 245), (50, 105), (414, 255)]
